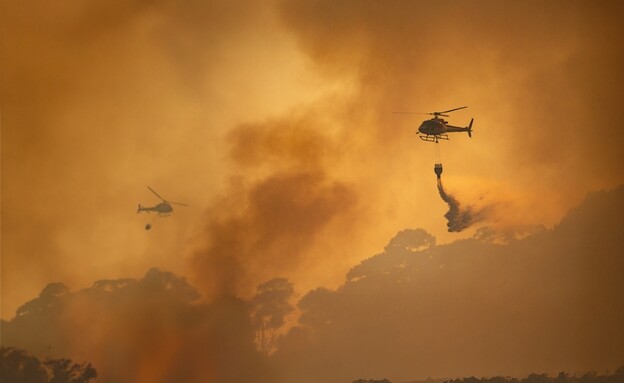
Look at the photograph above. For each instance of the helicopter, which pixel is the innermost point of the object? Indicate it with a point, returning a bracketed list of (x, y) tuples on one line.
[(162, 209), (437, 128)]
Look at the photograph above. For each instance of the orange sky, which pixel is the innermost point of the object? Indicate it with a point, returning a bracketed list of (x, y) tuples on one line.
[(274, 122)]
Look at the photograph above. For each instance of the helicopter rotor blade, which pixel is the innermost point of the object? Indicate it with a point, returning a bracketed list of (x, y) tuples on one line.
[(410, 113), (177, 203), (433, 113), (451, 110), (152, 190)]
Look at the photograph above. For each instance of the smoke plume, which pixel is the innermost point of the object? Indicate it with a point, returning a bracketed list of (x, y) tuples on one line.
[(283, 200)]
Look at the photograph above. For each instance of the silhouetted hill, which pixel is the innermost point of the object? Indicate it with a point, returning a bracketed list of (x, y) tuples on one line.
[(551, 301), (493, 305), (561, 377)]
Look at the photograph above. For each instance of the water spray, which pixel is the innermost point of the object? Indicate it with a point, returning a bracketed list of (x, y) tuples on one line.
[(458, 217)]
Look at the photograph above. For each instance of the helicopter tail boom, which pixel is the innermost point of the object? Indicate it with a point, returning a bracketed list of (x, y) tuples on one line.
[(467, 129)]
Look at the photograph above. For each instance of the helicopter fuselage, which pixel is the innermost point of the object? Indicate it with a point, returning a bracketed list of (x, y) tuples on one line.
[(433, 127), (437, 128), (164, 208), (161, 208)]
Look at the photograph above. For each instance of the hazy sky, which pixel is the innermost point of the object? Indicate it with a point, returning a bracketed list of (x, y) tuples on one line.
[(273, 121)]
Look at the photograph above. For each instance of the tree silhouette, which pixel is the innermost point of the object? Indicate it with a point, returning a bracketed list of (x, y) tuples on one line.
[(17, 366), (562, 377), (269, 307), (47, 300)]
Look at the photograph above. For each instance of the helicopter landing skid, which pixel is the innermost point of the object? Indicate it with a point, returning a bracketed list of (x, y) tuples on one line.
[(434, 138)]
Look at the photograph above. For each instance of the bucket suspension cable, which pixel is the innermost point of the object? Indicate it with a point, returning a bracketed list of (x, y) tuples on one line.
[(438, 157), (437, 167)]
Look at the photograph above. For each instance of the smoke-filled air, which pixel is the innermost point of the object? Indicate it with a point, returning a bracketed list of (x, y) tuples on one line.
[(288, 226)]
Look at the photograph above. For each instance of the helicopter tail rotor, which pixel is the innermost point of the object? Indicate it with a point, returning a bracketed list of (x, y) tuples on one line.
[(470, 128)]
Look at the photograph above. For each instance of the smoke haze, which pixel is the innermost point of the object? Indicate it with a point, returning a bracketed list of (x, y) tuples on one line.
[(273, 121), (548, 302), (101, 99)]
